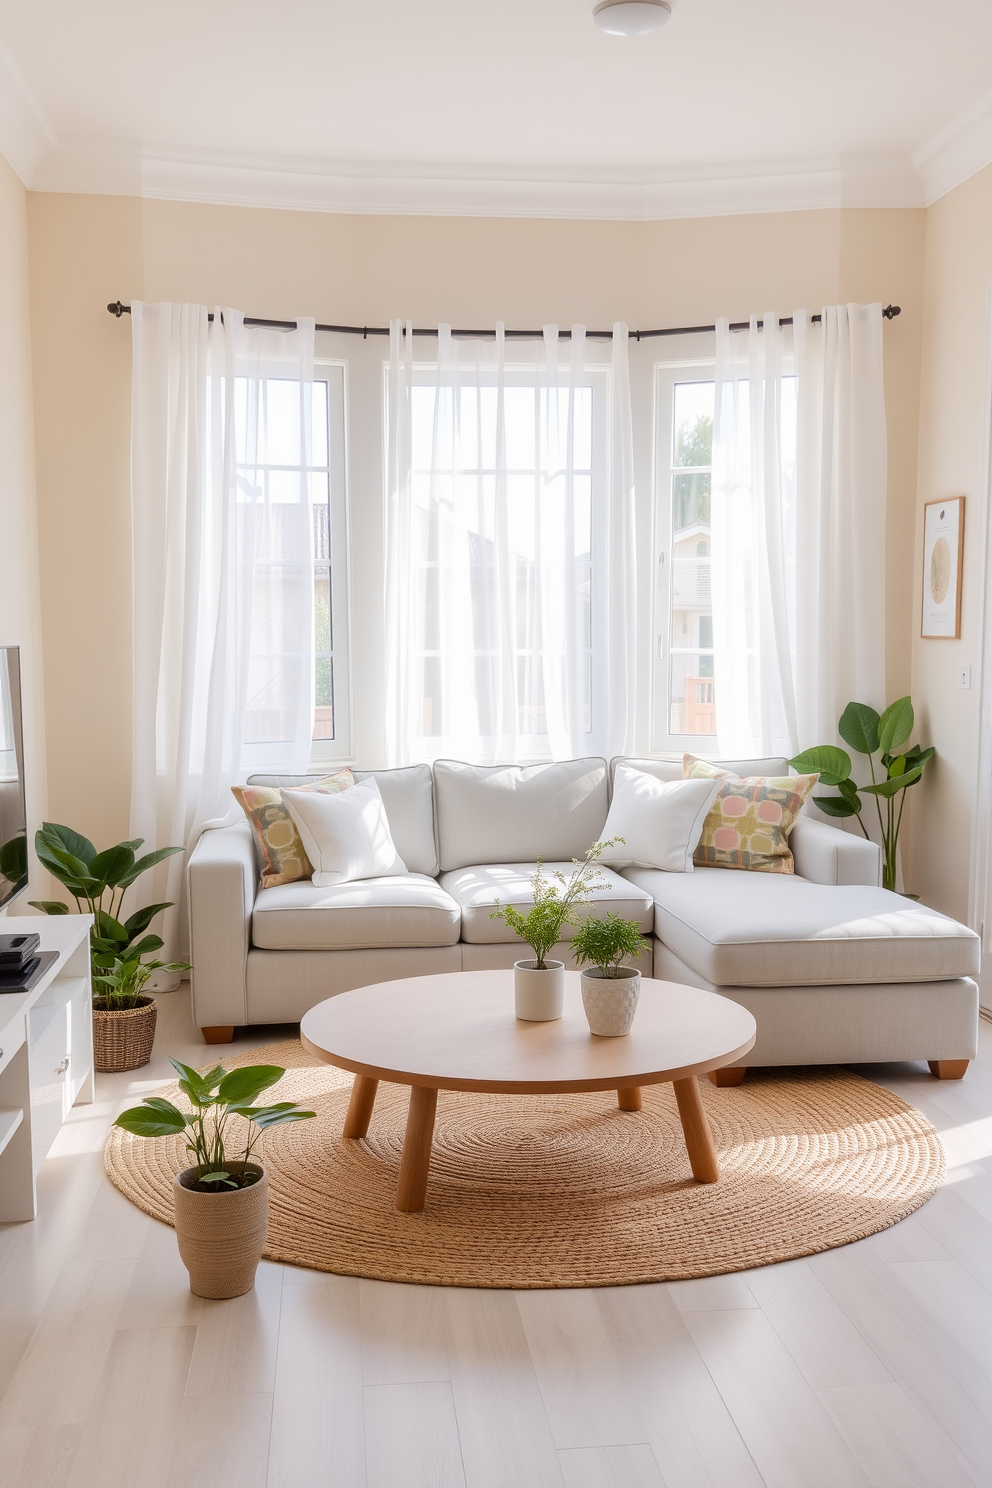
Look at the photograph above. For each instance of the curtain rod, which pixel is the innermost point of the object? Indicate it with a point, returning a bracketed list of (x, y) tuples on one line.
[(889, 313)]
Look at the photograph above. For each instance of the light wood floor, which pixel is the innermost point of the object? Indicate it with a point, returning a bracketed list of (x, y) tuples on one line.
[(870, 1365)]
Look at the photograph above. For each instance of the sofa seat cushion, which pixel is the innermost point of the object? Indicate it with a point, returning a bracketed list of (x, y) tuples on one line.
[(406, 910), (777, 930), (476, 890)]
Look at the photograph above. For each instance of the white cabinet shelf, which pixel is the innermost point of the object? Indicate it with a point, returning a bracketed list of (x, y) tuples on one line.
[(46, 1056)]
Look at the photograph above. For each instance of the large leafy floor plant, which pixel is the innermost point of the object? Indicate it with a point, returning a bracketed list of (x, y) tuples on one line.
[(872, 734), (98, 881)]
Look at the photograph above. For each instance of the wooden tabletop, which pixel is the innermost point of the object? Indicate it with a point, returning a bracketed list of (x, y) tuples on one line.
[(457, 1031)]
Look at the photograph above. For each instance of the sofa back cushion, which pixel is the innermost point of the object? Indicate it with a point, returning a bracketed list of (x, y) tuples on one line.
[(517, 813), (671, 769), (408, 796)]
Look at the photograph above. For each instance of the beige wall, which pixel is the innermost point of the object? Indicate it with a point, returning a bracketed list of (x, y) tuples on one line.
[(958, 269), (20, 621), (86, 251)]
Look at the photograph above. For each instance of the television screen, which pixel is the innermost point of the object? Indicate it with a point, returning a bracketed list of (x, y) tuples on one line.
[(13, 810)]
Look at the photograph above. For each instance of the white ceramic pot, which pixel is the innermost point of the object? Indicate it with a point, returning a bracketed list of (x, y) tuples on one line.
[(610, 1002), (539, 996)]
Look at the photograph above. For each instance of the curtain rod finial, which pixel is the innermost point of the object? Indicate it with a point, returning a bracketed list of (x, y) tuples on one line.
[(891, 311), (118, 309)]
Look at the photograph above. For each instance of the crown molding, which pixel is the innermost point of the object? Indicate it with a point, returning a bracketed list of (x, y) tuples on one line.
[(956, 153), (490, 191), (45, 163), (25, 137)]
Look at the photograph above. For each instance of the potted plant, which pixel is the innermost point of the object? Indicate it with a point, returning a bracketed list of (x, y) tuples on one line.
[(539, 983), (222, 1201), (123, 1017), (870, 733), (609, 989)]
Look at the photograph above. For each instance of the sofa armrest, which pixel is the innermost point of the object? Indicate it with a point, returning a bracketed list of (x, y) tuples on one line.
[(826, 855), (220, 890)]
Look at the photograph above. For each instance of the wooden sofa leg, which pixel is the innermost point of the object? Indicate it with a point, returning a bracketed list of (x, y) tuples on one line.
[(949, 1069), (222, 1033), (730, 1075)]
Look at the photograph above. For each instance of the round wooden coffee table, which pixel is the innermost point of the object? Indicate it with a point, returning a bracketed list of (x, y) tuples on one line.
[(457, 1031)]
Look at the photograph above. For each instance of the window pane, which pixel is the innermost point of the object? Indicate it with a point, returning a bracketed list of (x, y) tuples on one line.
[(693, 706), (693, 423)]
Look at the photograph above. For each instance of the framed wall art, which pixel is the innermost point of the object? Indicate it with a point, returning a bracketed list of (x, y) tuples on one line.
[(943, 560)]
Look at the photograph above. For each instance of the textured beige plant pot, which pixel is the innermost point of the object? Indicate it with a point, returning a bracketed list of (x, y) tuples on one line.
[(610, 1002), (221, 1235), (539, 996)]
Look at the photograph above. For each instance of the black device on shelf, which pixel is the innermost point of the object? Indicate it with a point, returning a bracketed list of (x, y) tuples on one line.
[(27, 975), (15, 950)]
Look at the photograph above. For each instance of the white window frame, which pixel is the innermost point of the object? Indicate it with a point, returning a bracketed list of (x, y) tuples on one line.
[(666, 375), (327, 752)]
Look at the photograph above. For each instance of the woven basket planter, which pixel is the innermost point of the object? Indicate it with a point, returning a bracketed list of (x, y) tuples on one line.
[(123, 1038), (221, 1235)]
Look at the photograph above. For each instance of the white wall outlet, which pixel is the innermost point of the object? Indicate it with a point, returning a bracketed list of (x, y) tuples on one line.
[(964, 676)]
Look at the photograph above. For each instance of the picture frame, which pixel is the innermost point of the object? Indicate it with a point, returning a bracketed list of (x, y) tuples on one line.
[(943, 565)]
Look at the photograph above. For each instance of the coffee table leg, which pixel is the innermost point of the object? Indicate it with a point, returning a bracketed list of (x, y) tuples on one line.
[(696, 1129), (629, 1099), (416, 1159), (356, 1123)]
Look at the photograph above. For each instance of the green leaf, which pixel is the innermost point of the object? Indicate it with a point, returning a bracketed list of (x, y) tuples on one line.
[(144, 946), (107, 928), (142, 918), (831, 764), (888, 788), (145, 1121), (858, 727), (835, 806), (51, 836), (159, 1103), (112, 864), (242, 1086), (148, 861), (198, 1087), (919, 756), (218, 1177), (277, 1115), (849, 791), (895, 724), (896, 766), (49, 906)]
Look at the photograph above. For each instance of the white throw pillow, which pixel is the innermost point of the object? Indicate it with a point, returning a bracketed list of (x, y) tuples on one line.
[(660, 821), (346, 836)]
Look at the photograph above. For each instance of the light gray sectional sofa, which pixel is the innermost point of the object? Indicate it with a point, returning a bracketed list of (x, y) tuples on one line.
[(834, 968)]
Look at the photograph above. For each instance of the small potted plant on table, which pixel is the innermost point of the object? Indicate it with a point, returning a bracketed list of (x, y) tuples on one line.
[(539, 983), (222, 1202), (124, 1016), (609, 989)]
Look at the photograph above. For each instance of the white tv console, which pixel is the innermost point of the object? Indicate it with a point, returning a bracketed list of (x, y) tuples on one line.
[(46, 1056)]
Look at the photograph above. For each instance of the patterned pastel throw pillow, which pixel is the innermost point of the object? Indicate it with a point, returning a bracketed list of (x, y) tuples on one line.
[(280, 850), (749, 823)]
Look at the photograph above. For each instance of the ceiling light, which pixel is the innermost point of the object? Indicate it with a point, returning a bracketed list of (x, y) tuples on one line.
[(631, 17)]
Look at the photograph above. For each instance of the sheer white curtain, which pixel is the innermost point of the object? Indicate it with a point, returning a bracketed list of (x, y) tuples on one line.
[(222, 539), (798, 527), (510, 548)]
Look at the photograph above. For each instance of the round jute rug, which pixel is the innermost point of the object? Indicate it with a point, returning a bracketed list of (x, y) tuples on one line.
[(570, 1191)]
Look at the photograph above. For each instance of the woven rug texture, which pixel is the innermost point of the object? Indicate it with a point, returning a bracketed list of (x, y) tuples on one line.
[(567, 1190)]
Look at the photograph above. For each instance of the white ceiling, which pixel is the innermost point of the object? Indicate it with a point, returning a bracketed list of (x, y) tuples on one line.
[(510, 107)]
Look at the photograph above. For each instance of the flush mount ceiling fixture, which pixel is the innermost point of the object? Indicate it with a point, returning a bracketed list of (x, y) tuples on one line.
[(631, 17)]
